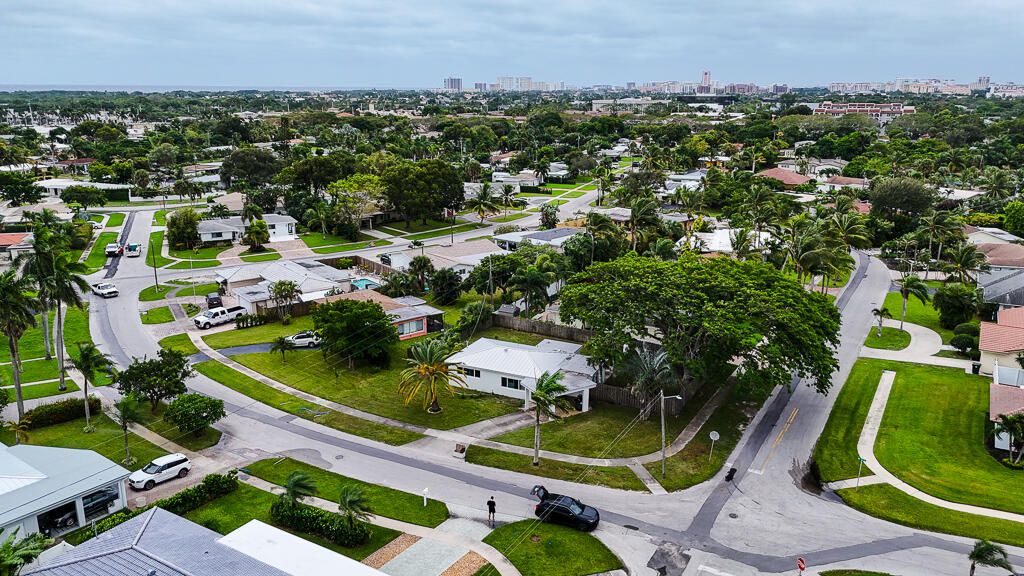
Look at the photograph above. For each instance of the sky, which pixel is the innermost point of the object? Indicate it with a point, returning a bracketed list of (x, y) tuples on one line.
[(416, 43)]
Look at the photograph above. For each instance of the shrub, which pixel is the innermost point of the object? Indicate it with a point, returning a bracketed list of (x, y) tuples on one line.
[(250, 320), (193, 412), (343, 263), (956, 304), (964, 343), (61, 411), (311, 520), (967, 328), (116, 195), (286, 319)]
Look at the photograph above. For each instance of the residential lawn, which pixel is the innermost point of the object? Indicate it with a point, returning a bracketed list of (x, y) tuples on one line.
[(836, 450), (574, 194), (96, 218), (696, 463), (933, 437), (107, 439), (286, 402), (115, 219), (156, 423), (590, 433), (30, 345), (203, 253), (156, 242), (452, 312), (263, 257), (384, 501), (42, 390), (546, 194), (619, 477), (372, 389), (230, 512), (179, 342), (888, 503), (190, 309), (191, 264), (435, 233), (257, 334), (917, 313), (419, 226), (891, 339), (198, 289), (536, 548), (952, 354), (351, 247), (509, 335), (155, 292), (160, 217), (97, 257), (558, 202), (161, 315), (33, 371), (560, 186), (76, 329), (318, 239), (510, 217), (395, 231)]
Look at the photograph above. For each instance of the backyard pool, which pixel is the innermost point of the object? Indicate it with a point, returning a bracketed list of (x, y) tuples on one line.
[(364, 283)]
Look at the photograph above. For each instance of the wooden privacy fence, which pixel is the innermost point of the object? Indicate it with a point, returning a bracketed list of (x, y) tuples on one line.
[(623, 397), (549, 329), (360, 262)]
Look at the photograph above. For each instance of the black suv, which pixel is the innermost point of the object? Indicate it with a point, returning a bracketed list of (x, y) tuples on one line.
[(213, 301), (564, 510)]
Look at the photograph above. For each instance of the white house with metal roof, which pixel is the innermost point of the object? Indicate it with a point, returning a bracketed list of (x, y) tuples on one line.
[(280, 226), (251, 284), (45, 489), (554, 237), (511, 369)]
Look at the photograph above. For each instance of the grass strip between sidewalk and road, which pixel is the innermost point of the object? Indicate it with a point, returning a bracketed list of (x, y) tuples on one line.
[(179, 342), (619, 477), (97, 255), (836, 451), (161, 315), (543, 548)]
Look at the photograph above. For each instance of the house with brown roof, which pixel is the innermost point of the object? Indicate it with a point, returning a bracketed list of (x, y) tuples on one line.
[(788, 178), (840, 182), (410, 315), (1002, 340), (1006, 396), (1003, 255)]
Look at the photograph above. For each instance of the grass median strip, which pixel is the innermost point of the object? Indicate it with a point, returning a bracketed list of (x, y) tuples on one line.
[(436, 233), (836, 451), (43, 390), (619, 477), (97, 255), (179, 342), (542, 548), (115, 219), (891, 339), (153, 293), (287, 403), (154, 421), (193, 264), (154, 258), (351, 246)]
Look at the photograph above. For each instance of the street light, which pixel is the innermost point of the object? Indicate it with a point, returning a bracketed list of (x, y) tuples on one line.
[(663, 430)]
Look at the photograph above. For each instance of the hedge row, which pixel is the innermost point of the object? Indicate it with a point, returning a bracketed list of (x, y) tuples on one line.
[(60, 412), (311, 520)]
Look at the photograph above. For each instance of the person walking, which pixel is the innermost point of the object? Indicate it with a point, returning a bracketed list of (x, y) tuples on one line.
[(491, 507)]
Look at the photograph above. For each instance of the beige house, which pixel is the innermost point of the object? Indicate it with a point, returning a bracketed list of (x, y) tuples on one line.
[(1001, 341)]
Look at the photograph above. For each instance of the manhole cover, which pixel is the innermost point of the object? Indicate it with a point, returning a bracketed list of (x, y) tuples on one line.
[(339, 457), (630, 526), (733, 515)]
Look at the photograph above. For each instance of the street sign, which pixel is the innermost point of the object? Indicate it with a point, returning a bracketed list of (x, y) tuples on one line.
[(801, 564), (714, 436)]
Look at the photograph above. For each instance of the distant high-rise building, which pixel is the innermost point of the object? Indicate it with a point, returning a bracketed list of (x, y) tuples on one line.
[(705, 78), (780, 88), (506, 83), (630, 85), (524, 83), (453, 84), (480, 86)]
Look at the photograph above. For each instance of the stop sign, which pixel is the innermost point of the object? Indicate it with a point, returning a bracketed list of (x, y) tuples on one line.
[(801, 564)]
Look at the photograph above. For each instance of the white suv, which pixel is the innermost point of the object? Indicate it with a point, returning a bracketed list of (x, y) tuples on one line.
[(160, 470), (304, 339)]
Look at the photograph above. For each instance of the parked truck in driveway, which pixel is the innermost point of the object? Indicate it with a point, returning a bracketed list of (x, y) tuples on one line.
[(217, 316)]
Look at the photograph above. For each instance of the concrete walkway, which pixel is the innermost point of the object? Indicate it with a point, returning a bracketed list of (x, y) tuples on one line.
[(866, 450), (438, 548), (924, 345)]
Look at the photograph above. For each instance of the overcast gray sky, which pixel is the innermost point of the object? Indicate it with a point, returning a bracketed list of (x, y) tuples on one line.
[(415, 43)]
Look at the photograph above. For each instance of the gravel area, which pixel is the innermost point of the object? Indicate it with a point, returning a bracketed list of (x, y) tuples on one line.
[(387, 553), (466, 566)]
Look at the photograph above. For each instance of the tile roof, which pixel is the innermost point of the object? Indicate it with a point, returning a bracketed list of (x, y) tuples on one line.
[(1003, 254), (1004, 399), (787, 177), (847, 181), (1000, 339), (1011, 317), (13, 238)]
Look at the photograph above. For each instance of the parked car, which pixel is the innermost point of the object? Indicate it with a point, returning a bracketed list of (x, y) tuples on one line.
[(114, 249), (105, 289), (565, 510), (213, 300), (304, 339), (99, 501), (95, 225), (160, 470), (217, 316), (133, 250)]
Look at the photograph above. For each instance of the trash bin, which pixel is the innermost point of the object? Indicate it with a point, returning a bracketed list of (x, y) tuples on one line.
[(460, 451), (975, 367)]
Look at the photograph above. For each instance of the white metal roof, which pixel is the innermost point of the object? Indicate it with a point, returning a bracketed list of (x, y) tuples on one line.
[(522, 360), (291, 554)]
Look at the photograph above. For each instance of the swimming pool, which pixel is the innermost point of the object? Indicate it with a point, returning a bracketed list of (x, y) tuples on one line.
[(364, 283)]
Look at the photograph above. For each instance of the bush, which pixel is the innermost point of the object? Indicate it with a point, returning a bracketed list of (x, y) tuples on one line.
[(116, 195), (286, 319), (60, 412), (956, 304), (344, 263), (310, 520), (193, 412), (967, 328), (964, 343), (251, 320)]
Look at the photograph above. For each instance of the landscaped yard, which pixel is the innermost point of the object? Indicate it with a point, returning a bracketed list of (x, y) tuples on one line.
[(619, 477), (891, 339), (273, 397), (115, 219), (31, 371), (266, 256), (30, 345), (41, 390), (156, 242), (76, 329), (107, 439), (383, 501), (201, 253), (230, 512), (574, 194), (508, 335), (351, 247), (97, 255), (199, 289), (435, 233), (153, 293), (917, 313), (836, 450), (318, 239), (161, 315), (536, 548), (257, 334), (193, 264), (160, 217), (418, 225), (155, 422), (179, 342)]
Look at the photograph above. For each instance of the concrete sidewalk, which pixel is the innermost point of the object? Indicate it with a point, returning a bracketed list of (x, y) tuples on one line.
[(924, 345)]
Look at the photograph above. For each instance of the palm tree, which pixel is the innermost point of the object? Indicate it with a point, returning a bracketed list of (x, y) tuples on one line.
[(421, 267), (17, 314), (16, 552), (533, 283), (400, 284), (68, 286), (546, 398), (282, 344), (126, 413), (1012, 425), (297, 486), (880, 315), (20, 429), (251, 212), (912, 286), (89, 362), (508, 196), (849, 229), (38, 266), (283, 293), (650, 372), (986, 553), (319, 216), (643, 213), (429, 373), (933, 225), (256, 235), (482, 202), (353, 505), (965, 261), (662, 249)]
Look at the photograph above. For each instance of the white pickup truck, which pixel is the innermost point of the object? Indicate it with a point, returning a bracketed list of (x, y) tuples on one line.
[(217, 316)]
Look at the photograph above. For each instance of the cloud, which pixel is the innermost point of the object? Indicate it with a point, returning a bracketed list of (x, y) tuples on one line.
[(407, 43)]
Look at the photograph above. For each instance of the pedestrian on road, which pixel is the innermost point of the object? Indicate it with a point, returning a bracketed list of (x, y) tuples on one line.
[(491, 506)]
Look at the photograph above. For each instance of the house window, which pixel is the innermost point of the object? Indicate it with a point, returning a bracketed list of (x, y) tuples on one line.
[(471, 372), (410, 327), (216, 234), (512, 383)]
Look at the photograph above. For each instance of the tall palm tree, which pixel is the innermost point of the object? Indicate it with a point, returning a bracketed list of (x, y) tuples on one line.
[(297, 486), (932, 225), (17, 314), (1012, 425), (986, 553), (256, 235), (353, 505), (89, 362), (282, 344), (482, 202), (650, 372), (533, 283), (430, 374), (643, 214), (849, 229), (126, 413), (909, 286), (284, 293), (38, 266), (964, 263), (662, 249), (16, 552), (880, 315), (318, 216), (421, 267), (546, 398), (508, 196), (251, 211), (68, 286)]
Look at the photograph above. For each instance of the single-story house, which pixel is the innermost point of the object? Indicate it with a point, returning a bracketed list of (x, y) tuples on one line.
[(20, 214), (501, 158), (687, 180), (1006, 396), (617, 214), (985, 235), (718, 241), (815, 166), (840, 182), (957, 195), (462, 257), (615, 152), (471, 189), (412, 316), (23, 167), (76, 164), (788, 178), (280, 226), (713, 161), (554, 237), (511, 369), (1002, 286), (1002, 340), (14, 243), (45, 489), (204, 168), (233, 201), (250, 285), (54, 186), (523, 178), (1003, 255)]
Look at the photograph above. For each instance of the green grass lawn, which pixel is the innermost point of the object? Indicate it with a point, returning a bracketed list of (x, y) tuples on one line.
[(933, 437), (559, 186), (179, 342), (263, 257), (886, 502), (574, 194), (42, 390), (696, 463), (32, 371), (536, 548), (160, 217), (161, 315), (318, 239), (30, 345), (257, 334), (418, 225), (97, 255), (202, 253), (230, 512), (156, 242), (372, 389), (891, 339), (452, 312), (155, 292), (107, 439), (155, 422), (510, 217), (199, 289), (836, 450), (115, 219), (545, 194), (193, 264), (917, 313), (256, 390), (558, 202), (384, 501), (619, 477), (508, 335), (435, 233), (351, 247)]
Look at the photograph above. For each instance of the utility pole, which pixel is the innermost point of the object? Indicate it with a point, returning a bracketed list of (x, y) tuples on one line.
[(663, 447)]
